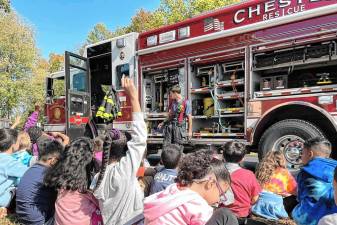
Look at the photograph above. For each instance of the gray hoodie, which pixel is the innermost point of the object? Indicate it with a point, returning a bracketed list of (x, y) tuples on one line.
[(120, 196)]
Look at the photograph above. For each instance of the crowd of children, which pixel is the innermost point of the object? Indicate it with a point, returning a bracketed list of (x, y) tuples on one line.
[(45, 180)]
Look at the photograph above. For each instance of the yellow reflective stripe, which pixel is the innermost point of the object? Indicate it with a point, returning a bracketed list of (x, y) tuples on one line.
[(110, 101)]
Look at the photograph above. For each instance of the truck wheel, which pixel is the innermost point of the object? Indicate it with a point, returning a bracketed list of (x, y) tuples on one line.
[(288, 137)]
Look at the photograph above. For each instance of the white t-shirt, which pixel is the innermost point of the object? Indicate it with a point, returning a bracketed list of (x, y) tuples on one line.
[(328, 220)]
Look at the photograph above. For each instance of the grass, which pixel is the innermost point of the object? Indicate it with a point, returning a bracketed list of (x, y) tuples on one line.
[(9, 220)]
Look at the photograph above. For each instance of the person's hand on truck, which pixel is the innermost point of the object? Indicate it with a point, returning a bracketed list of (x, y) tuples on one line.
[(132, 92)]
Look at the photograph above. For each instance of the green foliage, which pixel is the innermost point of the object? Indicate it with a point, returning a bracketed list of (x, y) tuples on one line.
[(169, 12), (99, 33), (174, 10), (18, 58), (5, 5), (56, 62), (200, 6), (18, 52)]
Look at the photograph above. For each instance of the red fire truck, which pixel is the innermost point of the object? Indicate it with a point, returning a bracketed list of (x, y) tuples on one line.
[(260, 72)]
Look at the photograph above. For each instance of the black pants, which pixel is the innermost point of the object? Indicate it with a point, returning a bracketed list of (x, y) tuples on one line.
[(289, 204), (174, 133), (222, 216)]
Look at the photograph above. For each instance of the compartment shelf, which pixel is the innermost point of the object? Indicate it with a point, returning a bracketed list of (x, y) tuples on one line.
[(229, 83), (296, 63), (230, 95), (218, 116), (218, 134), (233, 67), (155, 118), (231, 110), (203, 90), (155, 135), (295, 91), (156, 115)]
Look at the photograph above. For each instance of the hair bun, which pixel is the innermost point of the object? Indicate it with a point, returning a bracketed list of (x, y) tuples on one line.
[(114, 134)]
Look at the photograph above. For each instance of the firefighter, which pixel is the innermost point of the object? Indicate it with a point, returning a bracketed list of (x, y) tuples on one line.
[(175, 125)]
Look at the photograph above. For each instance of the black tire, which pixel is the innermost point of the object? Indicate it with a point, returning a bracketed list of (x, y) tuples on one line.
[(300, 128)]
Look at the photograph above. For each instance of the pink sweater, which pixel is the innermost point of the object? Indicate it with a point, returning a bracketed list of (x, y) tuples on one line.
[(74, 208), (174, 206)]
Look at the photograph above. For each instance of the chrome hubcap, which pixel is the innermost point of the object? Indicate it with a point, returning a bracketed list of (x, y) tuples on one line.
[(291, 146)]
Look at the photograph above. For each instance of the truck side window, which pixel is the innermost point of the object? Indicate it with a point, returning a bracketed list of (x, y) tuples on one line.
[(120, 71)]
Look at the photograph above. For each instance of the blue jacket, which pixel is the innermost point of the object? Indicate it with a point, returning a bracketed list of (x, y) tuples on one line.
[(11, 170), (315, 191), (162, 179)]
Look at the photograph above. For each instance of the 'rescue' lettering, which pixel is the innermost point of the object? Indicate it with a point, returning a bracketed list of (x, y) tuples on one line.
[(271, 9)]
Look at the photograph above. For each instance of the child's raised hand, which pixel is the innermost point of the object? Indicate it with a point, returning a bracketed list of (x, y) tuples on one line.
[(129, 87), (16, 122)]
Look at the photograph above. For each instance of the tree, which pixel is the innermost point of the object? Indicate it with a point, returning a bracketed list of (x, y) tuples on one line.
[(200, 6), (18, 58), (174, 10), (168, 12), (5, 5), (142, 21), (99, 33), (55, 63)]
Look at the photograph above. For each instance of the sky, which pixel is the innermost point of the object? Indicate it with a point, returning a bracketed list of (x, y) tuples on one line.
[(62, 25)]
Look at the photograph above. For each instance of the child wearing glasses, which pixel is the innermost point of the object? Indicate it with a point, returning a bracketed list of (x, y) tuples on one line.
[(201, 183), (315, 183)]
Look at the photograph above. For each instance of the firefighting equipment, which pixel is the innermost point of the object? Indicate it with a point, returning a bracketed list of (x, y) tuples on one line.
[(324, 79), (208, 107), (110, 107)]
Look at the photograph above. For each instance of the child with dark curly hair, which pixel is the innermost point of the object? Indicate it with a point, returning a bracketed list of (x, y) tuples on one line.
[(117, 189), (71, 176), (276, 182), (201, 182)]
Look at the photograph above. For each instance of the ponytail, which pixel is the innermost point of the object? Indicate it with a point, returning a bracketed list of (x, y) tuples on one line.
[(111, 135)]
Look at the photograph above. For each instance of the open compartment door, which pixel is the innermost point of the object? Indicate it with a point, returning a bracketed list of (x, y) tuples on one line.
[(77, 94)]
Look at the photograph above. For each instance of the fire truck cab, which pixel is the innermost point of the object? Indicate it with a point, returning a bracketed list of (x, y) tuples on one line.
[(87, 80)]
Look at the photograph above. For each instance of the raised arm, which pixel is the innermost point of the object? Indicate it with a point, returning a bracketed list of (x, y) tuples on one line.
[(32, 119), (137, 145)]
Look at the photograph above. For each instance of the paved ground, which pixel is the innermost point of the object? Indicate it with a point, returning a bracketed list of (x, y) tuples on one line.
[(250, 162)]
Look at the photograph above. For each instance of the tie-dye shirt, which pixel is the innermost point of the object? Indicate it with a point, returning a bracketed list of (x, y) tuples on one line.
[(282, 183)]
